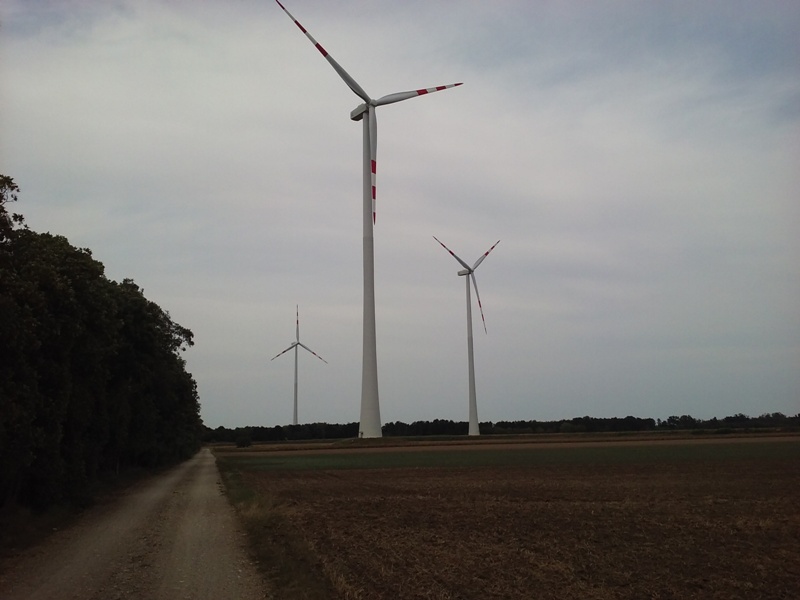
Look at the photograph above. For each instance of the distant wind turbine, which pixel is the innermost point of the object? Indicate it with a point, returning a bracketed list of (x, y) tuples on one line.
[(469, 273), (370, 422), (297, 344)]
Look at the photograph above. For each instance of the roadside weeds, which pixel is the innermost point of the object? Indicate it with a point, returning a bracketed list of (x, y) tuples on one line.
[(286, 560)]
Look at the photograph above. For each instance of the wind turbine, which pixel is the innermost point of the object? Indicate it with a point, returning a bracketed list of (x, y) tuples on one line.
[(469, 273), (370, 421), (297, 344)]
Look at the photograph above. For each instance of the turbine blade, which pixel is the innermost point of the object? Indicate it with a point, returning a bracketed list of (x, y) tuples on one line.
[(399, 96), (352, 83), (478, 296), (312, 352), (297, 334), (373, 155), (453, 254), (285, 351), (484, 255)]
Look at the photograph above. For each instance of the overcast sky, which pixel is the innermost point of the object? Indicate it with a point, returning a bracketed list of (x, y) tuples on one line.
[(640, 162)]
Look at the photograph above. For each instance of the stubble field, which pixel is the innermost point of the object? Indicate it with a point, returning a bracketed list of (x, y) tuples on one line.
[(700, 518)]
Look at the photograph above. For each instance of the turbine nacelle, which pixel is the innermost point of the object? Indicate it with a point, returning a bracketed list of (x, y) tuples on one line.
[(358, 112), (463, 272)]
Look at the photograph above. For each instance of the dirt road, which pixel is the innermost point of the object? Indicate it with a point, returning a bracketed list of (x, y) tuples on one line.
[(174, 537)]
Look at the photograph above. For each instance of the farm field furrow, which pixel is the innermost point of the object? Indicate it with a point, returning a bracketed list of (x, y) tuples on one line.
[(683, 521)]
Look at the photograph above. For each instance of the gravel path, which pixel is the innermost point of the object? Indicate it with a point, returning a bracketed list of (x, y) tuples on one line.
[(174, 537)]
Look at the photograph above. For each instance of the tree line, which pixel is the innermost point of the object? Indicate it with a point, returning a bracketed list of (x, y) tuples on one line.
[(672, 423), (244, 436), (91, 377)]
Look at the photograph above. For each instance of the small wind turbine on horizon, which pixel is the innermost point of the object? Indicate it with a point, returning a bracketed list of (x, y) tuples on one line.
[(469, 273), (297, 344), (370, 419)]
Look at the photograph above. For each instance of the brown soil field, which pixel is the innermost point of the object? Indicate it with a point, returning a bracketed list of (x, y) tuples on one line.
[(719, 522)]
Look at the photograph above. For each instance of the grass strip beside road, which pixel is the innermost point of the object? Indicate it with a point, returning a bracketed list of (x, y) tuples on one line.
[(283, 556)]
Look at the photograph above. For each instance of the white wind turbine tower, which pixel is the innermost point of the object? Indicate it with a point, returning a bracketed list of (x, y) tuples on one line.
[(370, 421), (297, 344), (469, 273)]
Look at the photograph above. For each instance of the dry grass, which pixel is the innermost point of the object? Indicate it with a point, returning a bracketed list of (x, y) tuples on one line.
[(720, 523)]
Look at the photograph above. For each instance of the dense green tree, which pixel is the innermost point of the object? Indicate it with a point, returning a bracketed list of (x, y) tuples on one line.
[(91, 376), (8, 221)]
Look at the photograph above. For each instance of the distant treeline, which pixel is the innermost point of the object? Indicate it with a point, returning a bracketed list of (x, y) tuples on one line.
[(444, 427), (91, 377), (245, 436), (617, 424)]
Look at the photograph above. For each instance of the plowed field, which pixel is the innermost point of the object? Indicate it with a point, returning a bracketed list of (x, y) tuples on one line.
[(626, 520)]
